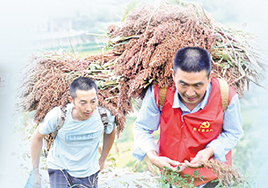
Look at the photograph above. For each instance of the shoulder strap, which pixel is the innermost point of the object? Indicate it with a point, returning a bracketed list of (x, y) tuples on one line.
[(104, 117), (49, 139), (162, 96), (224, 87), (60, 121)]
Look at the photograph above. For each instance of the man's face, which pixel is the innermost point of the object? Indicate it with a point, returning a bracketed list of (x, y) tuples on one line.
[(85, 103), (191, 86)]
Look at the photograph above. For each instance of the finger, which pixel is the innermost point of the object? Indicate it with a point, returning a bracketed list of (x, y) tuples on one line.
[(183, 166), (173, 168), (174, 163), (192, 165), (186, 162), (195, 160)]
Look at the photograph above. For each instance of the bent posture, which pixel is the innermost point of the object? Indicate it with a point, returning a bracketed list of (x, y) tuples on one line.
[(193, 125)]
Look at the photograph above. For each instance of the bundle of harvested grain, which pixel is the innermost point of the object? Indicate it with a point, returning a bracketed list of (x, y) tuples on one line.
[(227, 175), (48, 76), (143, 47), (155, 33)]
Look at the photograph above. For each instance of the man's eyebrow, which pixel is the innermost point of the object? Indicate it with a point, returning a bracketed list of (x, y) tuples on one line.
[(201, 83), (82, 100), (94, 99), (181, 81)]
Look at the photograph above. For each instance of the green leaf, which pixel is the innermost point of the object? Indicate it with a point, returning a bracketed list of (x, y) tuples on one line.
[(130, 7)]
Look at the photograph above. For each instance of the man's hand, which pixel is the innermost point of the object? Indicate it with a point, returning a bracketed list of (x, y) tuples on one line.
[(34, 180), (36, 146), (201, 156), (162, 162)]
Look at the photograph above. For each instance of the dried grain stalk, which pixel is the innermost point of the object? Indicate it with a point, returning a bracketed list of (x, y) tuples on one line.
[(142, 50), (164, 29), (46, 84), (227, 175)]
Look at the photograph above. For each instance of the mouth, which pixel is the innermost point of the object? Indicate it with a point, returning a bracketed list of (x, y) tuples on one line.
[(191, 98), (87, 113)]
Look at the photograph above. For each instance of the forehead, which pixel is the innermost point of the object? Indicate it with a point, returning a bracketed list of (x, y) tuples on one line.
[(190, 77), (86, 95)]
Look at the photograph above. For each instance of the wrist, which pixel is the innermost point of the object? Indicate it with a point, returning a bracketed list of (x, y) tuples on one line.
[(36, 170), (152, 155), (210, 151), (102, 159)]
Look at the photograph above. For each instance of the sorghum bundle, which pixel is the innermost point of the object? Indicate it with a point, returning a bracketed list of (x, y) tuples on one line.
[(142, 50)]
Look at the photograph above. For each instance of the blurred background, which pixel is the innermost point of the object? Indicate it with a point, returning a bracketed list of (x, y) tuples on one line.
[(28, 26)]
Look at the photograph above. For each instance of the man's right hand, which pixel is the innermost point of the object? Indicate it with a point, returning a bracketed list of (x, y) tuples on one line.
[(161, 162), (34, 180)]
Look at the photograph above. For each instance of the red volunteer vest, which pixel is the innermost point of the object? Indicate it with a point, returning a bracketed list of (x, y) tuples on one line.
[(181, 137)]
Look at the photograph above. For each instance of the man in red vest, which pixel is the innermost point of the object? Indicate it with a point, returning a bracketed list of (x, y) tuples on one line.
[(193, 125)]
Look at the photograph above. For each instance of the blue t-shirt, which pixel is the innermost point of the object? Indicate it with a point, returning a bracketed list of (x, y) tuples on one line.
[(75, 148)]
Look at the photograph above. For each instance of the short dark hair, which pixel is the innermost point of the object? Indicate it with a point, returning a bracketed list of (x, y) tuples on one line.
[(82, 83), (192, 59)]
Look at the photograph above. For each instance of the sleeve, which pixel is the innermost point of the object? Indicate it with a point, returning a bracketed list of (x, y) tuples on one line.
[(49, 123), (146, 123), (231, 133), (111, 124)]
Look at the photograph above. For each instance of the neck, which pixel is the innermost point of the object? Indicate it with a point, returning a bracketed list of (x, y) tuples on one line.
[(74, 114), (189, 106)]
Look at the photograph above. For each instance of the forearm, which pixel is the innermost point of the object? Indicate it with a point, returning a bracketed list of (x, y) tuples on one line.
[(152, 155), (108, 140), (232, 131), (161, 161), (36, 146)]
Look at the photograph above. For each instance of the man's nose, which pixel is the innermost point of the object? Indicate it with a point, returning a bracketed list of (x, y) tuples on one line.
[(190, 91), (89, 107)]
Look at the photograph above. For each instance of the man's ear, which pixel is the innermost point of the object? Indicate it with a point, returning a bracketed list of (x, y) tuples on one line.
[(71, 99), (210, 75), (172, 72)]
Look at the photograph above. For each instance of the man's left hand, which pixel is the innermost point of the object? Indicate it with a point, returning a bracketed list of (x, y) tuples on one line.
[(201, 156)]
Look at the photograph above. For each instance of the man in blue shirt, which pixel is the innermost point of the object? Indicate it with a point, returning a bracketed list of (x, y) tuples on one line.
[(73, 157), (192, 77)]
